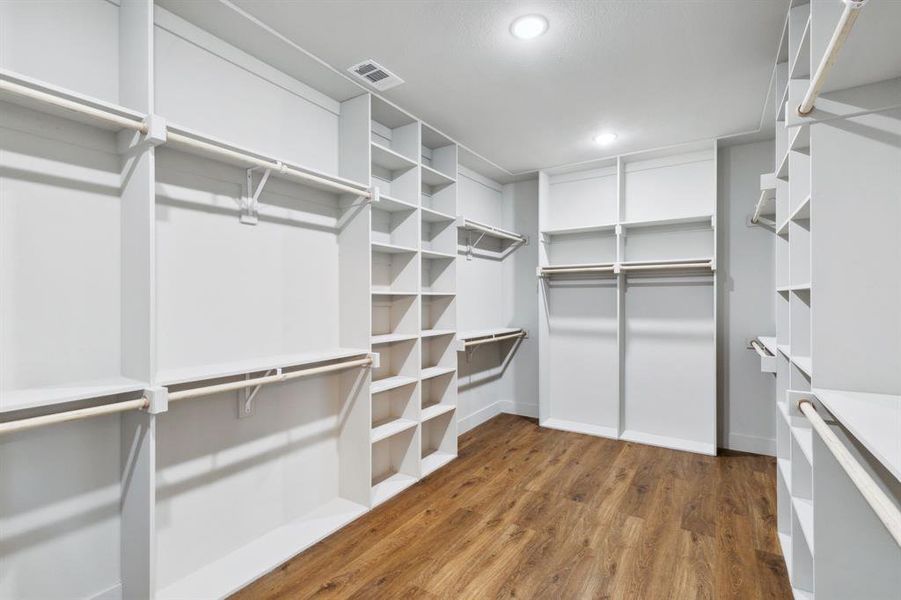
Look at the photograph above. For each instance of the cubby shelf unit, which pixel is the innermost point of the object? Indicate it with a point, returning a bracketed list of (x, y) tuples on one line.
[(832, 544), (649, 259)]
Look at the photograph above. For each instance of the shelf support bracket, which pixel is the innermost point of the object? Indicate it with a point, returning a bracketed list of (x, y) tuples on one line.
[(469, 243), (251, 198), (247, 395)]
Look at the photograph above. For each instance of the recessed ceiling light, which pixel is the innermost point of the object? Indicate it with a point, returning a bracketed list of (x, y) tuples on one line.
[(603, 139), (528, 27)]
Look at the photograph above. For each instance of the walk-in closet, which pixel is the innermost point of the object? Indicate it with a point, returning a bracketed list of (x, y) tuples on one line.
[(434, 299)]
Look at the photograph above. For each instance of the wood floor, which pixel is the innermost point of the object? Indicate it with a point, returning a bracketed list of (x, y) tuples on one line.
[(535, 513)]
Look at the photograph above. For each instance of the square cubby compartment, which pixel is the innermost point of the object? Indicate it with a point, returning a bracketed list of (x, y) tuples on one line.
[(395, 464), (394, 316), (397, 363), (441, 197), (439, 236), (394, 410), (394, 271), (395, 227), (439, 273), (439, 351), (439, 442), (439, 313), (439, 395)]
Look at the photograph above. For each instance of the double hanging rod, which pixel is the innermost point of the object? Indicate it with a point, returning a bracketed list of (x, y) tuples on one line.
[(198, 392)]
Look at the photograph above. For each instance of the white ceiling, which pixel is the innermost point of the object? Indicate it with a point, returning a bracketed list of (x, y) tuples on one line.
[(655, 72)]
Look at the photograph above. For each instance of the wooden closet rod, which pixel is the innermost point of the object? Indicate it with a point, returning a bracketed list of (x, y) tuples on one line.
[(143, 403), (499, 338), (73, 106), (839, 35), (884, 508)]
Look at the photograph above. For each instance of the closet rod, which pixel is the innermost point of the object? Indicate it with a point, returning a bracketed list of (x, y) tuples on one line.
[(839, 35), (760, 349), (668, 266), (500, 338), (73, 415), (583, 269), (73, 106), (468, 224), (266, 380), (276, 166), (884, 508)]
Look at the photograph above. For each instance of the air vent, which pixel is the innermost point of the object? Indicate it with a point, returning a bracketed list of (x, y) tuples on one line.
[(375, 75)]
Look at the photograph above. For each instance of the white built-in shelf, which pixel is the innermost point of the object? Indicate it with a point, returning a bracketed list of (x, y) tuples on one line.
[(800, 139), (873, 419), (784, 349), (783, 289), (668, 261), (804, 513), (378, 292), (21, 399), (390, 427), (800, 65), (438, 294), (783, 410), (389, 383), (427, 333), (391, 204), (391, 486), (238, 568), (785, 541), (489, 230), (782, 229), (782, 171), (803, 363), (436, 410), (800, 287), (433, 216), (390, 338), (433, 177), (389, 159), (484, 333), (392, 248), (435, 460), (606, 227), (228, 369), (802, 213), (800, 594), (785, 468), (804, 436), (708, 219), (769, 342), (432, 254), (430, 372)]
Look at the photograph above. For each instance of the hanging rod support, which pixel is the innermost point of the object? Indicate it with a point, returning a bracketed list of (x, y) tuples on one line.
[(247, 395), (250, 201)]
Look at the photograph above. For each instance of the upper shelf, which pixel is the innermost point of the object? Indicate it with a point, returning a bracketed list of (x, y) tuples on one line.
[(605, 227), (490, 230), (29, 398), (228, 369), (709, 219), (435, 178), (873, 419), (389, 159)]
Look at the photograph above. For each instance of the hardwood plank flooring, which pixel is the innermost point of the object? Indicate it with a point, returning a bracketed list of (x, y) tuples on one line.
[(526, 512)]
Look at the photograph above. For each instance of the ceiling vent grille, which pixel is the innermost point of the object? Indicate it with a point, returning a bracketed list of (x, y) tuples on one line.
[(375, 75)]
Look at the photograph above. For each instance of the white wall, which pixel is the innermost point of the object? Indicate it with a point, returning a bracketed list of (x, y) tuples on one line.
[(746, 303)]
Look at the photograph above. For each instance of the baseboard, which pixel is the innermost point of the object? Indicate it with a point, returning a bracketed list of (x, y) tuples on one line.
[(752, 444), (576, 427), (113, 593), (668, 442), (492, 410)]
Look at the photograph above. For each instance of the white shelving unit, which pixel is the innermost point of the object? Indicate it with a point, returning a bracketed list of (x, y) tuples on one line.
[(834, 547), (627, 302)]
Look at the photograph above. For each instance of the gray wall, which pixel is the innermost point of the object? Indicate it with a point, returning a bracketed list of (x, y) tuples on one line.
[(746, 303)]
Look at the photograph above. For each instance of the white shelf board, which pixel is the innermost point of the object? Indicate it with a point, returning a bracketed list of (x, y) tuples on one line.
[(804, 436), (426, 293), (391, 486), (435, 460), (785, 542), (800, 139), (804, 512), (390, 427), (769, 342), (785, 349), (671, 221), (427, 333), (436, 410), (26, 398), (380, 292), (803, 363), (800, 65), (230, 573), (800, 594), (430, 372), (389, 383), (391, 204), (434, 177), (432, 254), (873, 419), (785, 468), (481, 333), (782, 171), (430, 215), (389, 159), (606, 227), (392, 248), (255, 365), (802, 213), (390, 338)]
